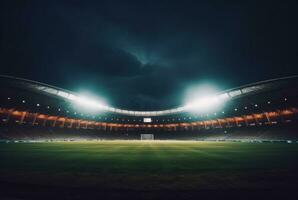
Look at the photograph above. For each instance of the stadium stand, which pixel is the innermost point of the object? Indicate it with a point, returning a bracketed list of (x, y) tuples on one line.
[(264, 111)]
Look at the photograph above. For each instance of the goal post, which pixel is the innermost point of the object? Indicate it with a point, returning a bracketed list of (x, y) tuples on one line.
[(147, 137)]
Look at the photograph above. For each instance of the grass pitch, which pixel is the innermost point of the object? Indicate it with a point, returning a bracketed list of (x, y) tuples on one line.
[(150, 166)]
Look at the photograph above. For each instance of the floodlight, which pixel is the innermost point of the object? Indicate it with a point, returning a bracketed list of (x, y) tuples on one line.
[(87, 102), (204, 98), (208, 103)]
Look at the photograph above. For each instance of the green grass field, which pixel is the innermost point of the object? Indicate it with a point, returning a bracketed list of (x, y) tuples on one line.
[(151, 166)]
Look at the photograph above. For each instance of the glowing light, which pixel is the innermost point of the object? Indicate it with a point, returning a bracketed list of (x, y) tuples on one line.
[(147, 120), (87, 102), (204, 98), (207, 103)]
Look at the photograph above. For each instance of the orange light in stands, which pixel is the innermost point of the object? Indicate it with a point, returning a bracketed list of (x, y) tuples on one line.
[(272, 114), (17, 113), (287, 112), (249, 117), (41, 116), (239, 118), (259, 116), (232, 121)]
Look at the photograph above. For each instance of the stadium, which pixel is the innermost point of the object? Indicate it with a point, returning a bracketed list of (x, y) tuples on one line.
[(148, 100), (183, 153), (248, 113)]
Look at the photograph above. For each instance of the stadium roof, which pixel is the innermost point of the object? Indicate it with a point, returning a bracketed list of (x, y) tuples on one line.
[(234, 93)]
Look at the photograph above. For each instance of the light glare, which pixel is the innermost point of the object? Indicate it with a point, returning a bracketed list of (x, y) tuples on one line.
[(87, 102), (208, 103), (204, 98)]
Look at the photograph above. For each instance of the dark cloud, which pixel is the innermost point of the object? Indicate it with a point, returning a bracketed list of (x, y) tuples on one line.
[(144, 55)]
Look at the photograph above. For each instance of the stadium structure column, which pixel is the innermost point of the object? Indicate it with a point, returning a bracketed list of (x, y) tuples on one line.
[(79, 124), (34, 118), (228, 123), (45, 120), (9, 112), (236, 121), (255, 118), (63, 123), (212, 124), (70, 124), (245, 120), (23, 117), (55, 121), (205, 125), (268, 117), (219, 123)]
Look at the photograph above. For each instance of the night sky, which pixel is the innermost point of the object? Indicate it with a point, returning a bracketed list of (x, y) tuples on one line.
[(144, 55)]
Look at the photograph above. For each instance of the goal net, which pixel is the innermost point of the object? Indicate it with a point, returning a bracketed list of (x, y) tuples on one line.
[(147, 137)]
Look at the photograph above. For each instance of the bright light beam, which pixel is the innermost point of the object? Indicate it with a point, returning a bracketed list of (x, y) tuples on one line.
[(207, 103), (87, 102)]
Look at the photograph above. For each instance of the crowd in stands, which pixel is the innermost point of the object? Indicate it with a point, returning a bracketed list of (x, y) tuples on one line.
[(280, 132)]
